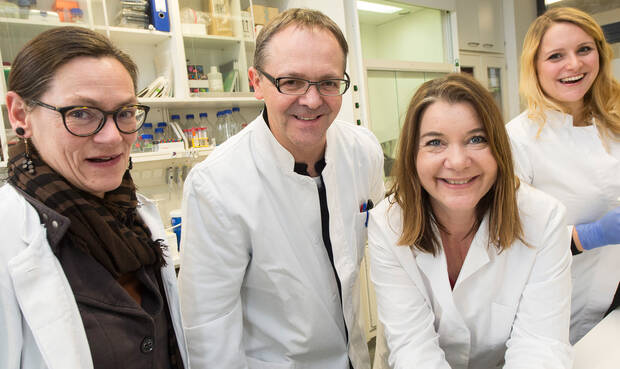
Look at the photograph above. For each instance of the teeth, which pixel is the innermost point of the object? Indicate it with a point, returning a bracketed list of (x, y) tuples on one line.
[(455, 182), (304, 118), (572, 79)]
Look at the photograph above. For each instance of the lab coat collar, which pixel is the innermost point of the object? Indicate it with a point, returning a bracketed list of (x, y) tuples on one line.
[(268, 146), (55, 224)]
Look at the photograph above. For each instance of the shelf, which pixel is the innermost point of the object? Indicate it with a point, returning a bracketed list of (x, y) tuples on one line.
[(143, 157), (135, 35), (219, 99), (209, 41), (31, 23)]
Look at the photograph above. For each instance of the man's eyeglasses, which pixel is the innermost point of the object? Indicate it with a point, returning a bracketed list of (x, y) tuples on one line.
[(86, 121), (299, 86)]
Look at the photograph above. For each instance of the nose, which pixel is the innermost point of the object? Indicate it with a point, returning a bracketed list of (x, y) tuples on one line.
[(312, 99), (109, 133), (457, 158), (573, 61)]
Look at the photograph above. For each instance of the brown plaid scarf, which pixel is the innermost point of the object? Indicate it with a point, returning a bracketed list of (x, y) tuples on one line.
[(108, 229)]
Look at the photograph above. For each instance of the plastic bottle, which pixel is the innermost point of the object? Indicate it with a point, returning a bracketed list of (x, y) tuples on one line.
[(241, 121), (231, 126), (215, 80), (166, 131), (220, 129), (147, 129), (137, 145), (175, 120), (77, 15), (206, 125), (159, 135), (147, 143)]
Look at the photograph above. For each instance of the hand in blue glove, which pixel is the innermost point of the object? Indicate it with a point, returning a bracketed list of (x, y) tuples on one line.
[(605, 231)]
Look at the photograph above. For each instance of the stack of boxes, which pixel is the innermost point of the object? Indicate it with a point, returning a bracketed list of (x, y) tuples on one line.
[(262, 15)]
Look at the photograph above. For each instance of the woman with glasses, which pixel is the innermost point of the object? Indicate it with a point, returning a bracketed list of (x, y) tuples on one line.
[(85, 280), (470, 268)]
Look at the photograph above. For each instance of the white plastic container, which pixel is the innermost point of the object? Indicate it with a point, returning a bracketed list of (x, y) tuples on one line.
[(215, 80)]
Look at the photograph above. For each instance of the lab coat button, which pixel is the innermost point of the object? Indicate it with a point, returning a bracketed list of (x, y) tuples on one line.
[(44, 216), (147, 345), (54, 224)]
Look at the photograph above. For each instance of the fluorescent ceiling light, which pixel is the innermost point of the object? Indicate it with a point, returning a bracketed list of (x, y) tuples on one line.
[(548, 2), (377, 8)]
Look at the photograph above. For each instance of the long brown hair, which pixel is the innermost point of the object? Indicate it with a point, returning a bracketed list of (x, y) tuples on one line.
[(602, 101), (501, 203)]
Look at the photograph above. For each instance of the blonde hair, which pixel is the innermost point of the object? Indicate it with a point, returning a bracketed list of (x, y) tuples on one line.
[(601, 102), (501, 203)]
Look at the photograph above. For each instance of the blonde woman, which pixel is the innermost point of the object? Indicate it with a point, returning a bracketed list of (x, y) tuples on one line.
[(567, 143), (470, 268)]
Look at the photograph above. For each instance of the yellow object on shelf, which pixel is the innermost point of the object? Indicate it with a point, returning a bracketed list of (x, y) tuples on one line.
[(221, 19)]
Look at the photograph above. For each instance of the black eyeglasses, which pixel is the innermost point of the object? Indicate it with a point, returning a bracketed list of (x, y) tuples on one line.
[(86, 121), (299, 86)]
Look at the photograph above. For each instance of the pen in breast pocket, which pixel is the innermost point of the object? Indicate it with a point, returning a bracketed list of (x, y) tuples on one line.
[(365, 207)]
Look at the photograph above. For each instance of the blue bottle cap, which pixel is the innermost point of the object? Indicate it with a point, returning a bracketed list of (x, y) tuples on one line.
[(236, 108), (189, 116), (148, 125), (162, 124), (159, 130), (147, 137), (175, 117), (203, 115)]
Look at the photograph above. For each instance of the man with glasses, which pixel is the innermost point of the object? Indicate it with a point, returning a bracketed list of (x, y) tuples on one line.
[(274, 220)]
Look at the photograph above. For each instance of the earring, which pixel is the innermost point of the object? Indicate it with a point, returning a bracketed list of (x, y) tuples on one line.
[(130, 167), (28, 164), (20, 131)]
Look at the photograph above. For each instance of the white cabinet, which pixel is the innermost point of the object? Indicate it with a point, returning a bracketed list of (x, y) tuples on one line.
[(490, 71), (480, 25), (156, 53)]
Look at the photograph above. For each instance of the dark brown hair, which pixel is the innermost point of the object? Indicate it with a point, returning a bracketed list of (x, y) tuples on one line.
[(306, 18), (37, 62), (417, 212)]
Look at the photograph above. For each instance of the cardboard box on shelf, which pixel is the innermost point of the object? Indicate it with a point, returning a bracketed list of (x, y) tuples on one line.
[(221, 17), (263, 14)]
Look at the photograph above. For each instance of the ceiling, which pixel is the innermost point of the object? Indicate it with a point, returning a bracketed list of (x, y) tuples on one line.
[(589, 6), (366, 17)]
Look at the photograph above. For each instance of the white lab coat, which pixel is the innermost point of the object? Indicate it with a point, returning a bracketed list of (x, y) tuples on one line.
[(39, 317), (571, 164), (257, 288), (508, 309)]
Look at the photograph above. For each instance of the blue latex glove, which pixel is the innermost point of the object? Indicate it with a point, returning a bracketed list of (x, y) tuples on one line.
[(605, 231)]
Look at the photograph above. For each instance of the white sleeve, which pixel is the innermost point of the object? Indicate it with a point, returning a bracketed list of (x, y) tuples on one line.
[(521, 161), (214, 256), (539, 337), (377, 186), (406, 315)]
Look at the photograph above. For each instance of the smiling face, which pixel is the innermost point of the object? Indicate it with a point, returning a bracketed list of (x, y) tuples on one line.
[(567, 64), (300, 123), (454, 161), (95, 164)]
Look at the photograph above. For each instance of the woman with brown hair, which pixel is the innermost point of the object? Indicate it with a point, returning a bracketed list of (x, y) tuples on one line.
[(85, 281), (567, 144), (471, 269)]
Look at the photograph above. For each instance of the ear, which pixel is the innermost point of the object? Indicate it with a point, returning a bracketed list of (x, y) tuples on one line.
[(18, 113), (254, 77)]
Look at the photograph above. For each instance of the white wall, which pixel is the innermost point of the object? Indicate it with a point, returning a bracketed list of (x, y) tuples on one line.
[(415, 37)]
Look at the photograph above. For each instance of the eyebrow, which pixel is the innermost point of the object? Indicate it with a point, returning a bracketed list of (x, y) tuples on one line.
[(547, 52), (300, 76), (439, 134), (86, 101)]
